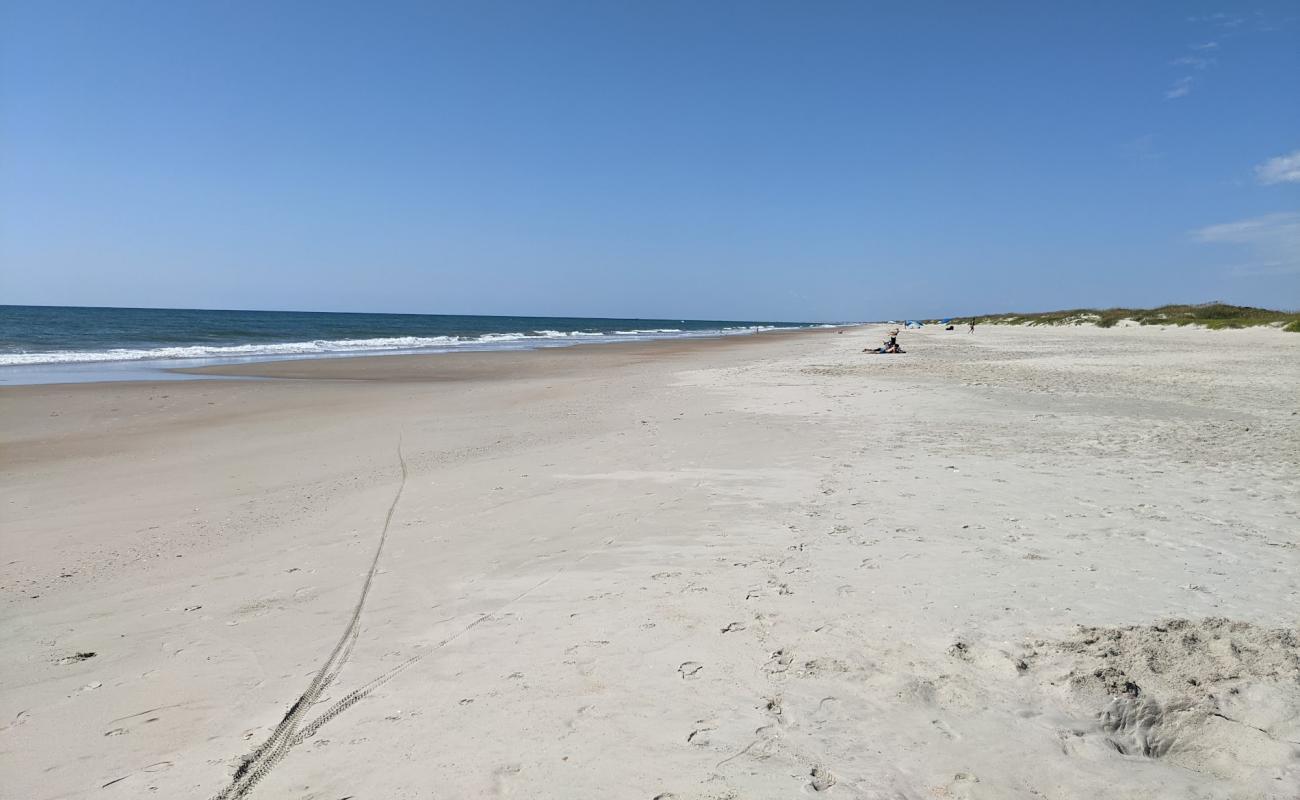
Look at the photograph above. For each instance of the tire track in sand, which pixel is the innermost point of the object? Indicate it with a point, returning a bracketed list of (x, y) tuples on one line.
[(261, 761), (288, 734)]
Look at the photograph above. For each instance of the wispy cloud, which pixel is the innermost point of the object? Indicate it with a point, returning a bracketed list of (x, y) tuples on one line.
[(1284, 226), (1264, 269), (1181, 88), (1198, 59), (1143, 147), (1272, 242), (1283, 169), (1221, 26), (1195, 62), (1220, 19)]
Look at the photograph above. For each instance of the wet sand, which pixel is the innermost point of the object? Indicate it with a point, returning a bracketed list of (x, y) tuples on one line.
[(1020, 563)]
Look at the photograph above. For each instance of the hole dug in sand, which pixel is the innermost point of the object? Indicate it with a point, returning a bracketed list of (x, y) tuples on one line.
[(1215, 696)]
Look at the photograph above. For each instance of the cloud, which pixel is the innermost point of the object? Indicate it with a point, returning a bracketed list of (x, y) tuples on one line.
[(1220, 19), (1196, 62), (1229, 26), (1143, 147), (1273, 242), (1283, 169), (1264, 269), (1181, 88), (1282, 226)]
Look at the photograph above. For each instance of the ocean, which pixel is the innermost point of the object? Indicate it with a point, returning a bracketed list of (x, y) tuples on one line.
[(50, 336)]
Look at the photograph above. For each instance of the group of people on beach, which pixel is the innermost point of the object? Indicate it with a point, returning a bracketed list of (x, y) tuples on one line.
[(891, 344)]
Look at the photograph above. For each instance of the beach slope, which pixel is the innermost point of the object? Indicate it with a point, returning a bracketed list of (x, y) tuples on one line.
[(1015, 564)]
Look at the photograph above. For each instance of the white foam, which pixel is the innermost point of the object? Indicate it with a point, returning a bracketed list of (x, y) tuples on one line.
[(324, 347), (319, 346)]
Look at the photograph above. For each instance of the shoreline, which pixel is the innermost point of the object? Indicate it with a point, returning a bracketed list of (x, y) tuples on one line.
[(752, 566), (480, 364), (98, 372), (131, 371)]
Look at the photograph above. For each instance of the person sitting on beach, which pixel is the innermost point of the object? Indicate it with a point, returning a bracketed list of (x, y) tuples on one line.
[(890, 345)]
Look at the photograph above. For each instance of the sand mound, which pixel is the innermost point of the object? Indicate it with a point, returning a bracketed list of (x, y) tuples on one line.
[(1214, 695)]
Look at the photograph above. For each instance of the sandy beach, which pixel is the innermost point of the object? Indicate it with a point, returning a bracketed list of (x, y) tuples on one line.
[(1023, 563)]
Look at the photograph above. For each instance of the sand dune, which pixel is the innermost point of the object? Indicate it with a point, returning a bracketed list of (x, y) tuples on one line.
[(1016, 564)]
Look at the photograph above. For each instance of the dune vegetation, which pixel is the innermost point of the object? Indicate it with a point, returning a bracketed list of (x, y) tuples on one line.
[(1211, 315)]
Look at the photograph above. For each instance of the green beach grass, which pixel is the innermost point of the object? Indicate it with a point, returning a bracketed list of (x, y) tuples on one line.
[(1215, 316)]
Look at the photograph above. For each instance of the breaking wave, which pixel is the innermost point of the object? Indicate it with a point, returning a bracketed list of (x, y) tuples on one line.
[(324, 347)]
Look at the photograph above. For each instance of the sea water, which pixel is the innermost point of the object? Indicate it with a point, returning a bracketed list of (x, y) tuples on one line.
[(41, 344)]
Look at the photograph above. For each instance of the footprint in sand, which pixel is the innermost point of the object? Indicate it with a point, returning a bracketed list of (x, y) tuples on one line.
[(690, 669), (700, 736), (779, 662), (75, 657), (821, 712), (504, 777), (945, 729), (822, 666), (822, 779)]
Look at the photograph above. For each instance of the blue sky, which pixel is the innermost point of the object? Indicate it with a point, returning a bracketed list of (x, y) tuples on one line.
[(759, 160)]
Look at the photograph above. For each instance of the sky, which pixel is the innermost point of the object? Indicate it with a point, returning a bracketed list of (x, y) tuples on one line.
[(819, 161)]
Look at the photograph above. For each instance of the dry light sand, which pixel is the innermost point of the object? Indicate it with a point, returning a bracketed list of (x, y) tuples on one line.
[(1024, 563)]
